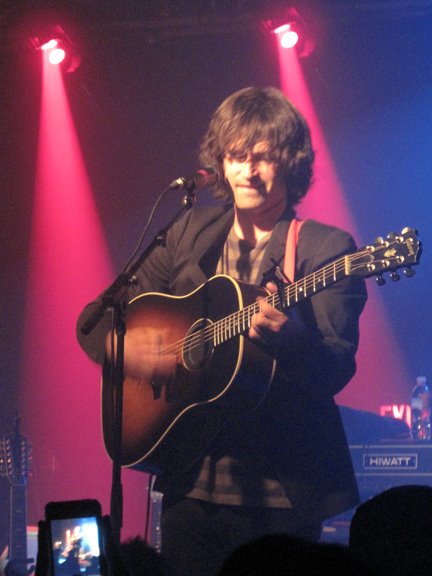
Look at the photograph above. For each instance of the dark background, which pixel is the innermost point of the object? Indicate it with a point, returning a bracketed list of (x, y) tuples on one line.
[(152, 73)]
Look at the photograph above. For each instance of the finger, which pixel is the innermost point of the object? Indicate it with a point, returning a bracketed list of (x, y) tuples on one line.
[(271, 287), (270, 312), (255, 334)]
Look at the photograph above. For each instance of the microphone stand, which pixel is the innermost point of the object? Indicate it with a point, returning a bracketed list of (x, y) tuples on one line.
[(114, 297)]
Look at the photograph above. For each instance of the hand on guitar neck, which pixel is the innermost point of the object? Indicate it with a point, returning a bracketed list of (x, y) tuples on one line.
[(269, 326)]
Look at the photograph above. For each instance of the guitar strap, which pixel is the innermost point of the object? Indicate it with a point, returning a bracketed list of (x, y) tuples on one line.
[(290, 250)]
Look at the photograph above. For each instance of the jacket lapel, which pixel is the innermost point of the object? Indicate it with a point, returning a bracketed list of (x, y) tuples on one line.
[(275, 251)]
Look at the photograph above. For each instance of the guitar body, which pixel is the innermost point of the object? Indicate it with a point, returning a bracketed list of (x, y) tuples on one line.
[(211, 381)]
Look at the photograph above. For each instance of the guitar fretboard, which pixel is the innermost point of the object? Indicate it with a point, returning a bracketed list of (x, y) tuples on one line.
[(14, 462), (240, 321), (18, 526)]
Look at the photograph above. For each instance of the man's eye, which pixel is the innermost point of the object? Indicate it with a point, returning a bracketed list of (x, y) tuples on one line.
[(268, 157), (254, 158), (237, 157)]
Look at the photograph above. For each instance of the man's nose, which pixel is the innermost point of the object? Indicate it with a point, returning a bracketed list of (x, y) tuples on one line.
[(249, 168)]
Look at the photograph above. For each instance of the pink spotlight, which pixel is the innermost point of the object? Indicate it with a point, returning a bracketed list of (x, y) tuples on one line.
[(326, 202), (49, 45), (55, 51), (56, 56), (288, 37), (67, 253)]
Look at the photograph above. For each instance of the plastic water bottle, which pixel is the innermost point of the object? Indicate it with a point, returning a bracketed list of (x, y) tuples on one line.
[(421, 405), (156, 512)]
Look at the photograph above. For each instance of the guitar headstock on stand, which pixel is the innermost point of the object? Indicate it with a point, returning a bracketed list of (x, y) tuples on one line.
[(15, 458), (16, 452)]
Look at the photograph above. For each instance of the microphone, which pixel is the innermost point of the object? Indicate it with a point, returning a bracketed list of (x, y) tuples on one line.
[(203, 177)]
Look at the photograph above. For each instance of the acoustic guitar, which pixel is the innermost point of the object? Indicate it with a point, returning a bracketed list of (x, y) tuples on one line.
[(218, 369)]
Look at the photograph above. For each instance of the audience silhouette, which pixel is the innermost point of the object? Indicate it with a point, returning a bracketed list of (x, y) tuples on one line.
[(393, 531), (280, 554), (140, 559), (390, 535)]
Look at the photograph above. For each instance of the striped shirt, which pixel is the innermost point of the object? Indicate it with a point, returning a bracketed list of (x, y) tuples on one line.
[(226, 480)]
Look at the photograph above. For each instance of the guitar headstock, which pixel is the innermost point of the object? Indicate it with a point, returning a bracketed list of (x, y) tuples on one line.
[(396, 251), (15, 457)]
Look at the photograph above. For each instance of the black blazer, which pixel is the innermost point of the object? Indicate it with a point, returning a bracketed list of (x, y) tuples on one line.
[(297, 429)]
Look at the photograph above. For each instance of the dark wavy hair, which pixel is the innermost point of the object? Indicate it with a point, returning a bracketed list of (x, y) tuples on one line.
[(254, 115)]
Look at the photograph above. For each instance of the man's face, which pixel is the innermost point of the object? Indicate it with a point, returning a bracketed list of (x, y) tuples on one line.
[(254, 179)]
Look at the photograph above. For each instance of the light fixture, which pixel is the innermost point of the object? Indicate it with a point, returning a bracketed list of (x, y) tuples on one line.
[(287, 35), (291, 31), (294, 34), (59, 49), (55, 50)]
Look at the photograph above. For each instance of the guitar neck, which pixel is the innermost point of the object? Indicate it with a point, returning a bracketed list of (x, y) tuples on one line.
[(239, 322), (18, 525), (14, 452), (312, 283)]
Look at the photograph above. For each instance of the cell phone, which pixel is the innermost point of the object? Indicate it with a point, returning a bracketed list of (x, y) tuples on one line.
[(76, 537)]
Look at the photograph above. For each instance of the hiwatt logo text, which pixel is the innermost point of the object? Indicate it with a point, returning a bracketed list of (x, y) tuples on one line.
[(390, 461)]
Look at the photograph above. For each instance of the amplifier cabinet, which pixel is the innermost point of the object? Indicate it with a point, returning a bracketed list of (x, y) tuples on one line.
[(377, 467), (383, 465)]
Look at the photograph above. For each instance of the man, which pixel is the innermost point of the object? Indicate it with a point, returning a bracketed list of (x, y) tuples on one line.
[(282, 465)]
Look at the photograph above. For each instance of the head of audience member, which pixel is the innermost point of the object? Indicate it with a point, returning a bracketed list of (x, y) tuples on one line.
[(140, 559), (284, 554), (393, 531)]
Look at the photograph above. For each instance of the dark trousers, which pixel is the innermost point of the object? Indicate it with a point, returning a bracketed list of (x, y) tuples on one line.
[(198, 536)]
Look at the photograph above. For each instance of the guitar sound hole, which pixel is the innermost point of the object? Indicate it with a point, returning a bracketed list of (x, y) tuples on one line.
[(198, 348)]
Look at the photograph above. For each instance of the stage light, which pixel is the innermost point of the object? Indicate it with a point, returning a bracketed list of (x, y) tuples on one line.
[(288, 36), (58, 50), (56, 53), (292, 32)]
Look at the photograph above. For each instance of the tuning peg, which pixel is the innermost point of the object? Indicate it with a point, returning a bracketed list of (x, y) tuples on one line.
[(391, 235), (394, 276), (409, 272), (379, 240), (380, 280)]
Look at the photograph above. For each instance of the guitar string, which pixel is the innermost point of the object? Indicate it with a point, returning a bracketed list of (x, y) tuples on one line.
[(230, 324), (242, 317)]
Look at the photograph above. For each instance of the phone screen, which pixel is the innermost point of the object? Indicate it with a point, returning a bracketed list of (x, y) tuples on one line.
[(75, 546)]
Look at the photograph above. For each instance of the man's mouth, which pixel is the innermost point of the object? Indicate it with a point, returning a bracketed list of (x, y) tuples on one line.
[(250, 186)]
